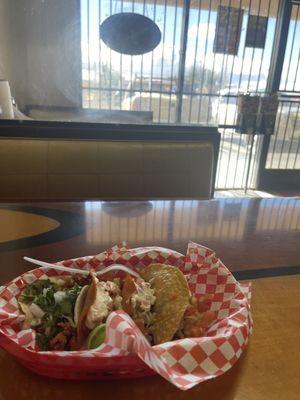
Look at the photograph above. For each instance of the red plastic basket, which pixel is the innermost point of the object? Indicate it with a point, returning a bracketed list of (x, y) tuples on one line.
[(114, 367), (184, 362)]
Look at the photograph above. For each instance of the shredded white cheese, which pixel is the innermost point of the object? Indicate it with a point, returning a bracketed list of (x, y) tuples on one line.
[(144, 298), (36, 310), (59, 296), (100, 308)]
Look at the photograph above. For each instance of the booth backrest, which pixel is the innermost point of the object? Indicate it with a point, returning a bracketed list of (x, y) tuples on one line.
[(32, 168)]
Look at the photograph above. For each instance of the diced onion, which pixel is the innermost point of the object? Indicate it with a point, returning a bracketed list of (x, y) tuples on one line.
[(36, 310), (59, 296), (57, 281)]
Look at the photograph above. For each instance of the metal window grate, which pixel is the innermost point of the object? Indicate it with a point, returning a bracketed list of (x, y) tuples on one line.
[(285, 144), (211, 81), (120, 82)]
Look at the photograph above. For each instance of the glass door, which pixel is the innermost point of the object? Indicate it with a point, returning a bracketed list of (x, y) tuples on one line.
[(281, 168)]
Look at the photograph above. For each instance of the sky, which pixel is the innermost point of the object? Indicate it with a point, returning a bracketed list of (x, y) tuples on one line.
[(166, 54)]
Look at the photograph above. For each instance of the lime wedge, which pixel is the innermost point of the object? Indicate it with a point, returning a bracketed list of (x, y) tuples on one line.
[(96, 337)]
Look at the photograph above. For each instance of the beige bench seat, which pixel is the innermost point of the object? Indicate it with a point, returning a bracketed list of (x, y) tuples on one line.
[(104, 169)]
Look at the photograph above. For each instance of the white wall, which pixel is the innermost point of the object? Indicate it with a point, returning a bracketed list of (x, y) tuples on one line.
[(5, 39), (45, 52)]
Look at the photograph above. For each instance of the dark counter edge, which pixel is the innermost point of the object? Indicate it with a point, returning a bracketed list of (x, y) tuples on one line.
[(266, 272)]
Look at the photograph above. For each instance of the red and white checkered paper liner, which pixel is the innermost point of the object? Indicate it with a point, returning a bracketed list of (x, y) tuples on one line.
[(184, 362)]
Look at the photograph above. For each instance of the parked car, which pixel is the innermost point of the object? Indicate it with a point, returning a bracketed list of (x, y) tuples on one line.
[(163, 107)]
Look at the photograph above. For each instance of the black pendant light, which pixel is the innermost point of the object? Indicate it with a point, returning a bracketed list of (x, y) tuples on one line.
[(130, 33)]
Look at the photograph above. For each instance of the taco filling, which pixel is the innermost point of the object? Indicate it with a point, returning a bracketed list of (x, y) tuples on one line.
[(48, 306), (70, 312)]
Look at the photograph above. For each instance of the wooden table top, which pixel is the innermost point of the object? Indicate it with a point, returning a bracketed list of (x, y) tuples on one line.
[(257, 239)]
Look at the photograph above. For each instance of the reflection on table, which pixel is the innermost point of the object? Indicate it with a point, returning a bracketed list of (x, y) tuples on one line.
[(213, 220)]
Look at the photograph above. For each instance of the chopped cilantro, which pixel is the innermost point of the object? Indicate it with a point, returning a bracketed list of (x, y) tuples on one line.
[(35, 289), (54, 311)]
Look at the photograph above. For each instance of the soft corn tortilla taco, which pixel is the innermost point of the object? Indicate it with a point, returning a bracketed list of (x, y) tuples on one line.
[(85, 304), (102, 297), (172, 298), (27, 314), (80, 303)]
